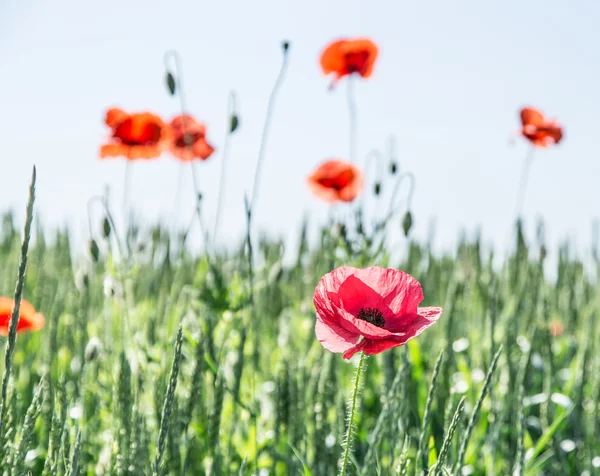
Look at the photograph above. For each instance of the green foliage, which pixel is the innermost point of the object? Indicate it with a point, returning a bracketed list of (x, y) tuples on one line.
[(100, 389)]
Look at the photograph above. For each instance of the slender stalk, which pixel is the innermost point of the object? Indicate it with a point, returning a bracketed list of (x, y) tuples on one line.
[(267, 125), (351, 116), (230, 128), (126, 189), (14, 319), (486, 385), (178, 78), (523, 181), (352, 411), (421, 455)]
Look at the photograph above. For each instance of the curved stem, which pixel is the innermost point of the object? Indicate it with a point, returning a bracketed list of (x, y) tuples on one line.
[(351, 116), (523, 181), (231, 111), (266, 127), (350, 430), (187, 138), (401, 177)]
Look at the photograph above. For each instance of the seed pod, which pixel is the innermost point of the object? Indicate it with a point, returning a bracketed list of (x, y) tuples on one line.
[(407, 222), (106, 228)]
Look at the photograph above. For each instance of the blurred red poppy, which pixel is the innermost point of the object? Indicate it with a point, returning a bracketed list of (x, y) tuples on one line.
[(370, 310), (188, 139), (345, 57), (134, 136), (539, 131), (29, 319), (335, 180), (556, 328)]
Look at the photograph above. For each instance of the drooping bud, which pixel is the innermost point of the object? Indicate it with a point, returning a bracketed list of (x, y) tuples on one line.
[(407, 222), (170, 79), (234, 124), (94, 250), (106, 228), (377, 188)]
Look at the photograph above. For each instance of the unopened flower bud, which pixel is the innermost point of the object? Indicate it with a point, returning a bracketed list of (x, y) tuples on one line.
[(106, 228), (94, 250), (234, 124), (285, 45), (377, 189), (170, 80), (407, 222), (393, 168)]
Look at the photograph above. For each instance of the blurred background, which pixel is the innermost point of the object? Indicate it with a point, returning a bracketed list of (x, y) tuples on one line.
[(448, 83)]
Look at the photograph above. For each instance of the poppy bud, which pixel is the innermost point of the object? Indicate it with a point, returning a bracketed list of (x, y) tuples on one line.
[(170, 83), (407, 223), (285, 45), (393, 167), (94, 250), (106, 228), (377, 189), (93, 349), (234, 124)]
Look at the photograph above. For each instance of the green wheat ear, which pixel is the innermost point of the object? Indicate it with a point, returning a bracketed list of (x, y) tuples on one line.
[(14, 320), (168, 404)]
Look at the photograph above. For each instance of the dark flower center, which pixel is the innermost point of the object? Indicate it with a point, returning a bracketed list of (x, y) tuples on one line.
[(372, 316)]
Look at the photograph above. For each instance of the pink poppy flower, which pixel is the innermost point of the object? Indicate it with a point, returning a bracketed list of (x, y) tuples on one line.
[(370, 310)]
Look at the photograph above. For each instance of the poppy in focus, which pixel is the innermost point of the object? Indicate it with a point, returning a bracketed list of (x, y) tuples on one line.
[(335, 180), (188, 139), (539, 131), (29, 319), (134, 136), (369, 310), (345, 57)]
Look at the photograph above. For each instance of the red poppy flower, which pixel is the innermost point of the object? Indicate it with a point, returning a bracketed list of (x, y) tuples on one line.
[(335, 180), (29, 319), (370, 310), (344, 57), (539, 131), (134, 136), (188, 139)]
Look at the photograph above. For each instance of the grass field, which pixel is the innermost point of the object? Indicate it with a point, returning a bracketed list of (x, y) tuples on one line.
[(154, 361)]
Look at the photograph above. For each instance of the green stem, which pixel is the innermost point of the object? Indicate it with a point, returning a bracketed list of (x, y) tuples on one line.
[(353, 399)]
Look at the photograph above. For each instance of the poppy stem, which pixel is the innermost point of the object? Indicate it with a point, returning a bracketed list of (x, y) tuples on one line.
[(126, 186), (393, 207), (523, 181), (352, 116), (352, 411), (231, 113), (267, 125), (178, 78)]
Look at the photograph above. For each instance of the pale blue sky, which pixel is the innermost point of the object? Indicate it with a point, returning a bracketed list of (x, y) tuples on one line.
[(449, 81)]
